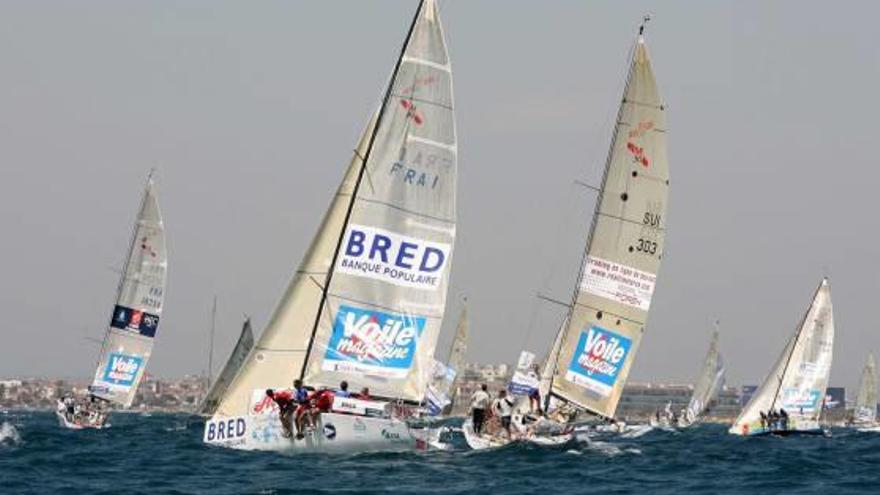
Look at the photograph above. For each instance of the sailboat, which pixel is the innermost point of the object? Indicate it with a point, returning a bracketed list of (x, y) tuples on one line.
[(239, 353), (367, 302), (865, 411), (441, 394), (798, 381), (128, 340), (708, 386), (597, 343)]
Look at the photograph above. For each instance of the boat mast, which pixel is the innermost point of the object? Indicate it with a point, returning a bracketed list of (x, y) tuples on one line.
[(211, 346), (357, 185), (608, 159)]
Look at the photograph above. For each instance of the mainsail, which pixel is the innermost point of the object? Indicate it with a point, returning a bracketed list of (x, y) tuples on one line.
[(866, 402), (236, 359), (710, 382), (128, 340), (625, 245), (798, 380), (367, 301)]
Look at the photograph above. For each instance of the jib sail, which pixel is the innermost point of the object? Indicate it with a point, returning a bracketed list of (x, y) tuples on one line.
[(366, 303), (236, 359), (623, 252), (798, 380), (135, 318)]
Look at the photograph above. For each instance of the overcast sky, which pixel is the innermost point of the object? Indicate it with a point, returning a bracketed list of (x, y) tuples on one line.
[(250, 111)]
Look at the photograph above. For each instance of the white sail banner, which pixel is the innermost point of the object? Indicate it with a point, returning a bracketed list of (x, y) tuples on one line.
[(128, 341), (607, 319), (619, 283), (387, 294)]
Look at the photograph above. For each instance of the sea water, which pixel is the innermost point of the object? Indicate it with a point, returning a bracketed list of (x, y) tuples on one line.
[(163, 453)]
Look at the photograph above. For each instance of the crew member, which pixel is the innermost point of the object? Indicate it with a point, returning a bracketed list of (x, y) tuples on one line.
[(286, 406), (479, 402), (343, 390), (301, 397), (503, 407)]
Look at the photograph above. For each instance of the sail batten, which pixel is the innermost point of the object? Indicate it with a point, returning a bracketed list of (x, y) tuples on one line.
[(596, 347)]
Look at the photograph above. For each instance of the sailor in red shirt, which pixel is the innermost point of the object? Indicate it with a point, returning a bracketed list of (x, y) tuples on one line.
[(286, 406)]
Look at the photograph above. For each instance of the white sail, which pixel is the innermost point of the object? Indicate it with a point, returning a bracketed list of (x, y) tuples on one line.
[(457, 352), (386, 294), (798, 381), (709, 384), (135, 319), (239, 353), (366, 303), (623, 253), (865, 411)]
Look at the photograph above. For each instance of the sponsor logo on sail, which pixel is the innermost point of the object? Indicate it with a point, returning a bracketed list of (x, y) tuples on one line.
[(619, 283), (134, 320), (795, 399), (122, 369), (393, 258), (373, 342), (637, 152), (598, 359)]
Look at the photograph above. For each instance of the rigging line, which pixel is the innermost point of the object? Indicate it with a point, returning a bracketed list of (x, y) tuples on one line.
[(350, 209), (406, 210), (608, 161)]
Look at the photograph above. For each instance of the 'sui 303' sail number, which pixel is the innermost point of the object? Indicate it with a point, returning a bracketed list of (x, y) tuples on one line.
[(646, 246)]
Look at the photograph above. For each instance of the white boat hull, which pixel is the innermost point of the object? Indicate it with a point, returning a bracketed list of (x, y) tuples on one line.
[(486, 441), (333, 432), (65, 422)]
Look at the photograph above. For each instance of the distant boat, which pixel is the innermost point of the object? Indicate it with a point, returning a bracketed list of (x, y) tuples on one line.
[(242, 347), (799, 379), (865, 411), (129, 338), (596, 345), (708, 386), (367, 302)]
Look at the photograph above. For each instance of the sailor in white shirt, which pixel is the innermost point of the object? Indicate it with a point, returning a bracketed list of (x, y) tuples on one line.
[(479, 403)]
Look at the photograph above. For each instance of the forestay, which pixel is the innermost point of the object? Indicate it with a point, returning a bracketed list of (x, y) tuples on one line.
[(242, 347), (129, 338), (798, 380), (366, 303), (623, 253), (866, 402), (710, 382)]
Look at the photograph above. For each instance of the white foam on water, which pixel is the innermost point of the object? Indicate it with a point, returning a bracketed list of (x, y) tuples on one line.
[(637, 431), (9, 435)]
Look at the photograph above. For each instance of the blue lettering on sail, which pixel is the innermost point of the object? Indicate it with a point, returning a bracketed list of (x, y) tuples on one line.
[(373, 342), (393, 258)]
